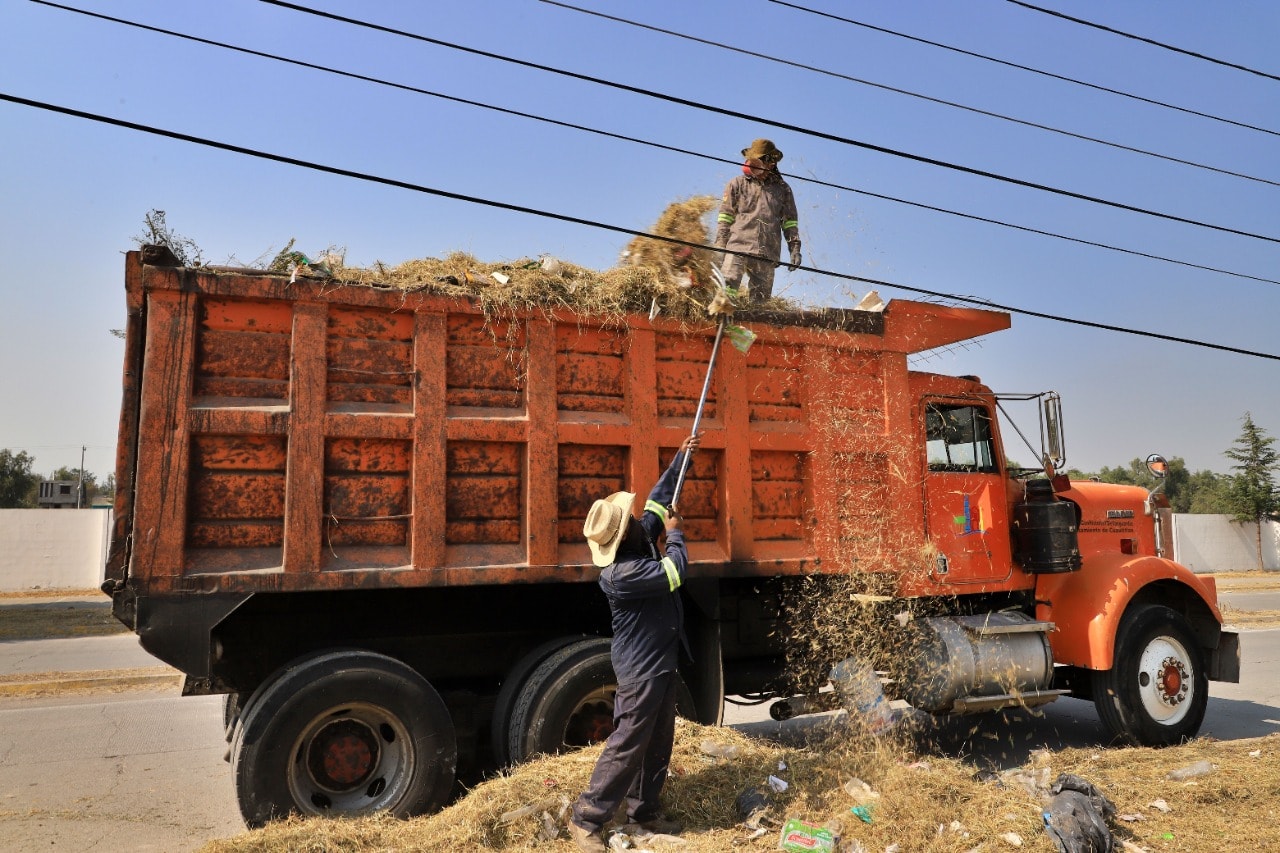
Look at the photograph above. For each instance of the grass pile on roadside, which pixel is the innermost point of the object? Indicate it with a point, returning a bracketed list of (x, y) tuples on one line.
[(924, 802)]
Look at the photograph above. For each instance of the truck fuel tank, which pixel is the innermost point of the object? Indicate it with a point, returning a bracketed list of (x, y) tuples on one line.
[(952, 660)]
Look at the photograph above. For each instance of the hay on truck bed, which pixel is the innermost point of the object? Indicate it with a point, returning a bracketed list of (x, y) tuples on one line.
[(677, 276)]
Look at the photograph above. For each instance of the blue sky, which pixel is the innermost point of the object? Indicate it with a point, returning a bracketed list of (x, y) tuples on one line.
[(73, 193)]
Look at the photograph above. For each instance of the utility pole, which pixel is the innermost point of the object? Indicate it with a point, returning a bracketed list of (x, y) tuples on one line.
[(80, 487)]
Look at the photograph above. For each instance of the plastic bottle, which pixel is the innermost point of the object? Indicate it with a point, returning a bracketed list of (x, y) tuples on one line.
[(863, 694), (1199, 768)]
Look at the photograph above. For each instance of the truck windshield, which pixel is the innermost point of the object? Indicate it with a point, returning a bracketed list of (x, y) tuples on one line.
[(958, 438)]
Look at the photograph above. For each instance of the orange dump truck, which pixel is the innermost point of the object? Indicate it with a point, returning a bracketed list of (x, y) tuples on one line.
[(357, 512)]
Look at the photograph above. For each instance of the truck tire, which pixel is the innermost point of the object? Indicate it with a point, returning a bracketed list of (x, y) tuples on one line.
[(567, 702), (511, 685), (343, 733), (1156, 692)]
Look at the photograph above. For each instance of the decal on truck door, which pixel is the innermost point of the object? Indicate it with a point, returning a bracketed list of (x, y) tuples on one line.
[(964, 492), (977, 513)]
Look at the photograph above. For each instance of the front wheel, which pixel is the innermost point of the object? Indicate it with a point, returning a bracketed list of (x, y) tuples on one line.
[(1157, 689), (344, 733)]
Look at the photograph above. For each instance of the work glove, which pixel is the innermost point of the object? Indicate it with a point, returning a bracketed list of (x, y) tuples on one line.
[(796, 259)]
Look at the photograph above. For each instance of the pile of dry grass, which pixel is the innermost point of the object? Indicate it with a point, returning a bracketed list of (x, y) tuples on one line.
[(925, 803), (650, 269), (683, 220)]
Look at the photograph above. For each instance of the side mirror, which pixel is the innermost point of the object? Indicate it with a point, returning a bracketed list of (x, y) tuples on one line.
[(1157, 466), (1055, 442)]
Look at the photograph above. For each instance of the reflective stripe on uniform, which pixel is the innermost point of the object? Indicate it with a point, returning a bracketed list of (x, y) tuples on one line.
[(726, 217), (673, 574), (657, 509), (790, 223)]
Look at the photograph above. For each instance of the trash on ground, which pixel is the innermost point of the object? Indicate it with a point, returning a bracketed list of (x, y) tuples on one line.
[(860, 791), (801, 837), (1191, 771), (1077, 816), (1034, 782), (752, 802), (718, 750)]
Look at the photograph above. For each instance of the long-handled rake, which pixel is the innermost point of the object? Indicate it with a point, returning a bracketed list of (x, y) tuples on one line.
[(725, 307)]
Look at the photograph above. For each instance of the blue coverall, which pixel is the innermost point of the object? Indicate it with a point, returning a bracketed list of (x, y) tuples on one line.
[(643, 589)]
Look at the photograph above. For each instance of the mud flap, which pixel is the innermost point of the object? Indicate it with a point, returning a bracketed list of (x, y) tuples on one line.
[(1224, 661)]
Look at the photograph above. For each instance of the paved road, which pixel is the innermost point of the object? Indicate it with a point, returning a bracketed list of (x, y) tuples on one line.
[(141, 772), (144, 771), (75, 654), (1250, 600)]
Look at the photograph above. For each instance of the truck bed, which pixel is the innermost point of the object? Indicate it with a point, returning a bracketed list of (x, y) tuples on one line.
[(318, 436)]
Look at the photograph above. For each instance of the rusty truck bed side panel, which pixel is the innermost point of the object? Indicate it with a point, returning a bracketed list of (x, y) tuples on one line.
[(314, 435)]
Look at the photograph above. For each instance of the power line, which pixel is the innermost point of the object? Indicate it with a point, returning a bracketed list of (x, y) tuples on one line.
[(831, 137), (576, 220), (898, 91), (1145, 40), (1008, 64), (649, 143)]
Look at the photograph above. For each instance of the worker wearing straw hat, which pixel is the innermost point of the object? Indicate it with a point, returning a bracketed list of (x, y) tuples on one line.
[(758, 210), (643, 588)]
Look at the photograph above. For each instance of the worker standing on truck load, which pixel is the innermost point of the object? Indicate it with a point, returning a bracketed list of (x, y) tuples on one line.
[(757, 211), (643, 589)]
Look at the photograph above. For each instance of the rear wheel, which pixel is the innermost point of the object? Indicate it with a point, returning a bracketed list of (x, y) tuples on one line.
[(567, 702), (1157, 689), (510, 691), (344, 733)]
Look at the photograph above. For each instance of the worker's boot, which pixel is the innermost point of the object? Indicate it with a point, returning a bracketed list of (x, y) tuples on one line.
[(662, 825), (591, 842)]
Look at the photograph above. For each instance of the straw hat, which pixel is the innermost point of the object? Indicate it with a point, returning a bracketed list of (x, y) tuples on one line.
[(762, 149), (606, 524)]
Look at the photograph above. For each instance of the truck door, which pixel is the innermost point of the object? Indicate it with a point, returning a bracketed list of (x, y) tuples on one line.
[(965, 507)]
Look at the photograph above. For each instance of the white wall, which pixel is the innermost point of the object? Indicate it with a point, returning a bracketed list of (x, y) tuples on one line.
[(1213, 543), (67, 548), (53, 548)]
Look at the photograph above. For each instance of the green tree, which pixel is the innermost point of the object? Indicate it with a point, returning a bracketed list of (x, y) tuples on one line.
[(1207, 493), (17, 482), (1202, 492), (1252, 494)]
